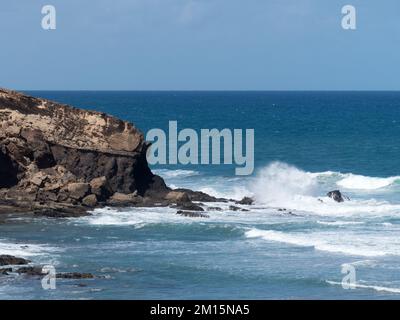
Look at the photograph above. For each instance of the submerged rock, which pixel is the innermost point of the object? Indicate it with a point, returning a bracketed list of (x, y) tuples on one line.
[(30, 271), (192, 214), (200, 196), (235, 208), (74, 275), (189, 206), (246, 201), (11, 260), (337, 196), (5, 271), (38, 271), (214, 209)]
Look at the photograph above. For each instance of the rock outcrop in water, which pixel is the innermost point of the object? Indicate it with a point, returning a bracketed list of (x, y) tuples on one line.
[(337, 196), (55, 159)]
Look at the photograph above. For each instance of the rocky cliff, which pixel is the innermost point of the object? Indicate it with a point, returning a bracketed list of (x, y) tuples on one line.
[(51, 153)]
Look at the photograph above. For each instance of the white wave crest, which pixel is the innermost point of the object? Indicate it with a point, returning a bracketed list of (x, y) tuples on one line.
[(352, 181), (349, 243), (24, 250), (363, 286), (280, 182), (339, 223), (179, 173), (136, 217), (285, 186)]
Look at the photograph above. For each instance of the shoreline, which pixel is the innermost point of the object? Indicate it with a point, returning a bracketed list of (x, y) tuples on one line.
[(61, 161)]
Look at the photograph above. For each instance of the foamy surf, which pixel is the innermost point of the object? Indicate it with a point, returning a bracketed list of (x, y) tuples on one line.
[(339, 223), (348, 243), (358, 182), (280, 185), (24, 249), (179, 173), (139, 217), (371, 287), (285, 186)]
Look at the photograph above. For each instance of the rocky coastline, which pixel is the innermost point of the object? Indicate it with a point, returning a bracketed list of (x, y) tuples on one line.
[(60, 161)]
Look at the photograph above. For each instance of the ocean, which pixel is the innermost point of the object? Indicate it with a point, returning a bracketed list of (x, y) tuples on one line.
[(306, 144)]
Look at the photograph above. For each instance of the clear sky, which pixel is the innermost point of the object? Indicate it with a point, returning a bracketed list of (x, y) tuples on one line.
[(200, 45)]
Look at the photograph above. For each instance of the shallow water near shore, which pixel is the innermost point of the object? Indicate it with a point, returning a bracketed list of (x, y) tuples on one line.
[(306, 144)]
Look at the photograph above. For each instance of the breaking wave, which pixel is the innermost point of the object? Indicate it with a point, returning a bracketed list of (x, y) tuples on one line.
[(179, 173), (25, 250), (364, 286), (358, 182), (350, 243), (283, 185)]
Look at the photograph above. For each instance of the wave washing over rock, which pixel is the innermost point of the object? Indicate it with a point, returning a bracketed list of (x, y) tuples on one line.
[(57, 160)]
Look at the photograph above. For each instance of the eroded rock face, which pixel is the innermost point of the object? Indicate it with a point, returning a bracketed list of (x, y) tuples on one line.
[(51, 152), (8, 171), (62, 125), (59, 161)]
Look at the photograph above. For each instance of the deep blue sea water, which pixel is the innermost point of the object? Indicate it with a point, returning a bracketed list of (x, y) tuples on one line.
[(306, 144)]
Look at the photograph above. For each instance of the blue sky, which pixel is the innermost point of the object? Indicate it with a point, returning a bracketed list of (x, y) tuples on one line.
[(200, 45)]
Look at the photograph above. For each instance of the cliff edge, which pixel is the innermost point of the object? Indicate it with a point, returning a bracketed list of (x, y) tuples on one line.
[(54, 156)]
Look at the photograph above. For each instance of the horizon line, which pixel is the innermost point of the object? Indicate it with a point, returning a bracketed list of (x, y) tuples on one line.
[(204, 90)]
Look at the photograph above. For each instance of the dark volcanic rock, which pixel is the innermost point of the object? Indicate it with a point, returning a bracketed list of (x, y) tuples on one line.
[(189, 206), (336, 195), (5, 271), (8, 170), (30, 271), (74, 275), (54, 157), (214, 209), (61, 212), (192, 214), (246, 201), (11, 260), (200, 196), (38, 271), (234, 208), (51, 152)]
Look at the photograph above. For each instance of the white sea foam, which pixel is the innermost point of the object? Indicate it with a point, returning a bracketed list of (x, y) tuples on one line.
[(24, 250), (179, 173), (339, 223), (349, 243), (387, 224), (129, 216), (352, 181), (282, 185), (280, 182), (363, 286), (140, 217), (362, 263), (233, 192)]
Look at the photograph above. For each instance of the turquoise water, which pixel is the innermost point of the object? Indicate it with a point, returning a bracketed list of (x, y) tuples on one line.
[(306, 143)]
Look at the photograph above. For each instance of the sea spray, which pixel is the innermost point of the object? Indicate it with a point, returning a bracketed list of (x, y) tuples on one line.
[(279, 183)]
